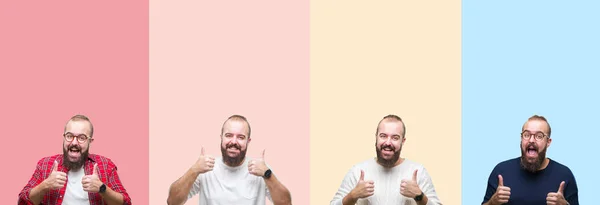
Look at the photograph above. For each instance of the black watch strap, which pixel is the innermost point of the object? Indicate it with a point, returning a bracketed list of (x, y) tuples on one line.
[(102, 188), (419, 197), (268, 174)]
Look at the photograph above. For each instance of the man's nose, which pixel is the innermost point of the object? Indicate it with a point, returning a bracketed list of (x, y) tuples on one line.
[(74, 142)]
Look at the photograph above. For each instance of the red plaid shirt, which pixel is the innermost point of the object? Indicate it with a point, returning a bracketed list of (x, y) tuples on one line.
[(107, 172)]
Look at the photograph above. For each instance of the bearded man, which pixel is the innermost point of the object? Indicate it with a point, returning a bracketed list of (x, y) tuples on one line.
[(532, 178), (387, 179)]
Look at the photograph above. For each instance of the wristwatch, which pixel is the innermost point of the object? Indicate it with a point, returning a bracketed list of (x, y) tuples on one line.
[(419, 197), (102, 188), (268, 174)]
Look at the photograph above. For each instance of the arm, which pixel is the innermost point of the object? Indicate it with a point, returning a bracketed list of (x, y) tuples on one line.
[(115, 194), (37, 187), (345, 194), (350, 199), (426, 185), (112, 197), (36, 194), (33, 193), (180, 189), (279, 194), (571, 191), (491, 189)]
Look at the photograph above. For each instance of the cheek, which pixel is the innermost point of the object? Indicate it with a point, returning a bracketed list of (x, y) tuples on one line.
[(398, 145)]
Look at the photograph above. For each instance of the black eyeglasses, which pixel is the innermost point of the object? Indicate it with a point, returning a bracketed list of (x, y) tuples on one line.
[(80, 138), (538, 136)]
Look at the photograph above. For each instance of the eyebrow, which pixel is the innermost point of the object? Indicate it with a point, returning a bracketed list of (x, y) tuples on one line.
[(534, 132), (75, 134)]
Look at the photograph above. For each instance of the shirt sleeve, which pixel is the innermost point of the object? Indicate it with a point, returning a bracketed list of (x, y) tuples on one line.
[(36, 179), (426, 185), (349, 182), (195, 187), (571, 191), (492, 185), (113, 181)]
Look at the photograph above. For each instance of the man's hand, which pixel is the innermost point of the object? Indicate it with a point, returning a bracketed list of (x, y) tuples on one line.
[(56, 180), (502, 194), (92, 183), (363, 188), (204, 164), (258, 167), (410, 188), (557, 198)]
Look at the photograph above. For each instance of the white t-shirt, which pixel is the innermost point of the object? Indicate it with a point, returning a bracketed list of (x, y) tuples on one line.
[(230, 185), (74, 194), (387, 183)]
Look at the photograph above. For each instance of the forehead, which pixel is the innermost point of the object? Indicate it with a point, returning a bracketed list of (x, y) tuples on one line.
[(235, 127), (536, 126), (390, 126), (78, 127)]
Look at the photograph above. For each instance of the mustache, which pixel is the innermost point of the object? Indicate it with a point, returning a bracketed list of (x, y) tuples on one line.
[(532, 144), (387, 146), (77, 147), (237, 146)]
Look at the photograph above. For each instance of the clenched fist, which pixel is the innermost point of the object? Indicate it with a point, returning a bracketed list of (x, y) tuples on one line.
[(258, 167), (204, 164), (57, 179)]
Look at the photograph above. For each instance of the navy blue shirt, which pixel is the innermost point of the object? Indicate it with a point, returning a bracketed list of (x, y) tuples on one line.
[(532, 188)]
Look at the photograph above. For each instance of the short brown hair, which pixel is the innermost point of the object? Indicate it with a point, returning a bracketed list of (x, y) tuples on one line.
[(541, 118), (393, 117), (236, 117), (82, 118)]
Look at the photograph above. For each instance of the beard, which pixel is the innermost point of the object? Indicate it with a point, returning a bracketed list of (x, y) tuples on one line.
[(387, 162), (233, 161), (76, 165), (536, 164)]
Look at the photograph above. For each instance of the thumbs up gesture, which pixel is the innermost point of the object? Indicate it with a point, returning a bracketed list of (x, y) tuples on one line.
[(205, 163), (502, 193), (410, 188), (258, 167), (557, 198), (92, 183), (57, 179), (363, 188)]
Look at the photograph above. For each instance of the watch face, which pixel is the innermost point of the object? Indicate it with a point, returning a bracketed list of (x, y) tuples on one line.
[(419, 197), (102, 188), (268, 174)]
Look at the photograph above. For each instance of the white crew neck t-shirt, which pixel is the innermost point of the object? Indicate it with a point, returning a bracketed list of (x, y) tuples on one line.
[(74, 194), (230, 185)]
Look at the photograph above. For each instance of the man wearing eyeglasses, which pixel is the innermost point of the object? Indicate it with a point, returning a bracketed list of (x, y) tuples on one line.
[(75, 177), (232, 178), (532, 178), (387, 179)]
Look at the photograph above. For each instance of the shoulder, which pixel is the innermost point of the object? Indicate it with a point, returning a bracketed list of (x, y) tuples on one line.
[(102, 161), (412, 163), (560, 168), (366, 164), (507, 164), (49, 160)]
